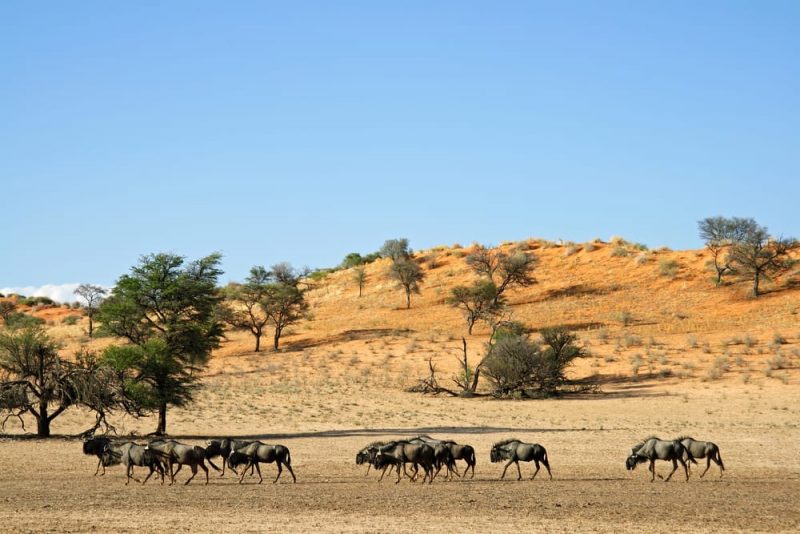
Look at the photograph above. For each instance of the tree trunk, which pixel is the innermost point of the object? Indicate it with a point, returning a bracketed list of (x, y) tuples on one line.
[(359, 290), (43, 421), (91, 327), (470, 324), (258, 342), (756, 280), (276, 339), (408, 300), (162, 420)]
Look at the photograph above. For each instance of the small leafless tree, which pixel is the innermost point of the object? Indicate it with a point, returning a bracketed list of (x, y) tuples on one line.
[(395, 249), (360, 278), (93, 296)]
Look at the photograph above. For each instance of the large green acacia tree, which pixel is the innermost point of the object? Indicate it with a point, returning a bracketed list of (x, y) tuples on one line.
[(166, 308)]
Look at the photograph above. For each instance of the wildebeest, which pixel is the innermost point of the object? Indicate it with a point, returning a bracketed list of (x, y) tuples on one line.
[(223, 448), (256, 453), (462, 452), (702, 449), (173, 453), (132, 454), (96, 446), (441, 454), (403, 452), (516, 451), (367, 456), (652, 449)]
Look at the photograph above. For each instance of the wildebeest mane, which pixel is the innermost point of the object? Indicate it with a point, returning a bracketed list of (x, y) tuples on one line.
[(504, 442)]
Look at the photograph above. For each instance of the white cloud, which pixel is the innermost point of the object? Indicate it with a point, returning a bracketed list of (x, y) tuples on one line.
[(57, 292)]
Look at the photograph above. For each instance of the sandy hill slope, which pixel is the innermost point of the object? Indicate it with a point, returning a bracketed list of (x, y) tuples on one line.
[(637, 322)]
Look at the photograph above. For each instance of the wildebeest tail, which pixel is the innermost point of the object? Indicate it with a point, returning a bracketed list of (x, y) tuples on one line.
[(472, 458), (288, 457), (719, 458)]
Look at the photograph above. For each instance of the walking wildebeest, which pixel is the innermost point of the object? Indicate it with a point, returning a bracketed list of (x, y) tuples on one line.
[(96, 446), (652, 449), (223, 448), (516, 451), (367, 456), (257, 453), (403, 452), (441, 454), (173, 453), (132, 454), (462, 452), (702, 449)]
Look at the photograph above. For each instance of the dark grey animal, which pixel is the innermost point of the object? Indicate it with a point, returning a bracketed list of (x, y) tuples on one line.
[(367, 456), (652, 449), (516, 451), (96, 446), (132, 454), (441, 455), (462, 452), (405, 452), (174, 453), (223, 448), (258, 453), (702, 449)]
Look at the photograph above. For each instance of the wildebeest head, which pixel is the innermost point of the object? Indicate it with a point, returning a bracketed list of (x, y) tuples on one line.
[(362, 457), (633, 460), (498, 454), (95, 446)]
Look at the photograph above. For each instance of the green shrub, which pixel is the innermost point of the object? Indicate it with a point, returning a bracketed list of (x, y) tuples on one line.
[(619, 251), (71, 320), (23, 320)]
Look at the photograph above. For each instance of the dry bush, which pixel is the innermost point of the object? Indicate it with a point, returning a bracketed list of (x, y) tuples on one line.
[(589, 247), (602, 336), (668, 268), (619, 252), (636, 364), (778, 339), (624, 317), (640, 259), (631, 340), (717, 369), (691, 342)]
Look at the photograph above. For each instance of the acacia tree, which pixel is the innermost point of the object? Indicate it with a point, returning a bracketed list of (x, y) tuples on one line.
[(360, 278), (245, 308), (719, 233), (479, 301), (93, 296), (505, 270), (38, 381), (165, 299), (395, 249), (759, 256), (284, 305), (408, 275)]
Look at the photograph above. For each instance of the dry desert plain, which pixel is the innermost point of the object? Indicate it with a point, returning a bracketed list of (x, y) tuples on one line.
[(692, 359)]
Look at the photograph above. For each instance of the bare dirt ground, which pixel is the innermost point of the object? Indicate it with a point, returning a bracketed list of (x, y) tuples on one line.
[(48, 485)]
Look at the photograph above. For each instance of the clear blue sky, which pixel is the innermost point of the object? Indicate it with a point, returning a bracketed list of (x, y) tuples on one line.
[(301, 131)]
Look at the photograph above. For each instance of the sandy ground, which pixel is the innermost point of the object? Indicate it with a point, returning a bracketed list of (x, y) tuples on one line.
[(48, 485)]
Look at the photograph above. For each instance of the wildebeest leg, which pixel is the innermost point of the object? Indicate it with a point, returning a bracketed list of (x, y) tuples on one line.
[(244, 472), (653, 470), (398, 473), (519, 473), (214, 466), (148, 475), (675, 468), (100, 463), (203, 465), (128, 469), (280, 470), (368, 468), (291, 471), (383, 472), (537, 469), (685, 468), (178, 470), (504, 469), (194, 472)]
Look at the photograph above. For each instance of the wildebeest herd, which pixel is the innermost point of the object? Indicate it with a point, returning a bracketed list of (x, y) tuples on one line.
[(161, 456)]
